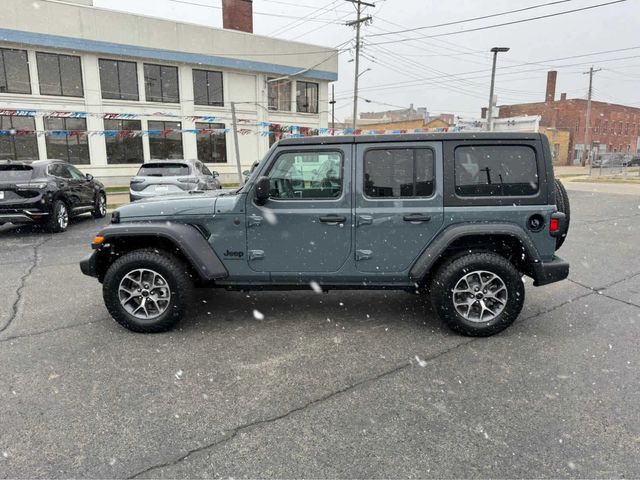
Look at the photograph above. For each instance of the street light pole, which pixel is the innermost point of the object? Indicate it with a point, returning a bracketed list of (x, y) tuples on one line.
[(495, 51)]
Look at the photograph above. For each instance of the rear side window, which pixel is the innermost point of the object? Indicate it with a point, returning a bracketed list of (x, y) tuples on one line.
[(399, 173), (163, 170), (13, 173), (497, 170)]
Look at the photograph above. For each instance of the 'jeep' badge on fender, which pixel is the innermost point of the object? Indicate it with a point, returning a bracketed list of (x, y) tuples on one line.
[(231, 255)]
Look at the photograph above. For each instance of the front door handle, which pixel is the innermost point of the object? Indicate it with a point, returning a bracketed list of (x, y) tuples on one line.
[(416, 218), (333, 219)]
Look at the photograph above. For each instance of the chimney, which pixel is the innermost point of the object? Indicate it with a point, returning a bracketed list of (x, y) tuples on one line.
[(237, 15), (563, 96), (552, 76), (483, 112)]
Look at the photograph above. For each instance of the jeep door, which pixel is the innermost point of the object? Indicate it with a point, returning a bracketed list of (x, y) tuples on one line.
[(398, 203), (305, 226)]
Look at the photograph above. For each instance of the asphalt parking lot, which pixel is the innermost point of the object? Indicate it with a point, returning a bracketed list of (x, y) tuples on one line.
[(345, 384)]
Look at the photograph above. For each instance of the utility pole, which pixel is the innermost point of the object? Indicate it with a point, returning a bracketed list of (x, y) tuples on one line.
[(333, 108), (358, 22), (587, 124), (495, 51), (234, 120)]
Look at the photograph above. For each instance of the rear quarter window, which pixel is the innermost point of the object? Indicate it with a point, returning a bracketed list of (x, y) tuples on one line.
[(496, 170), (13, 173), (163, 170)]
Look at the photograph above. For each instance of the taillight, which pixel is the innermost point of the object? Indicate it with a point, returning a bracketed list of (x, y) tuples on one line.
[(554, 225), (135, 180)]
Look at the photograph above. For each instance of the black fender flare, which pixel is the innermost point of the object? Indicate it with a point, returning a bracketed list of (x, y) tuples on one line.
[(187, 238), (439, 245)]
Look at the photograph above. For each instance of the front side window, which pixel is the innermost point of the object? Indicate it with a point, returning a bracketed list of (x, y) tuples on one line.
[(60, 75), (161, 83), (14, 71), (501, 170), (307, 97), (68, 140), (207, 88), (21, 144), (279, 94), (305, 175), (399, 173), (122, 145), (212, 146), (165, 140), (119, 80)]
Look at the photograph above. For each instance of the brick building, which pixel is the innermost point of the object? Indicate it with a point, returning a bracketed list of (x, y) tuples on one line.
[(614, 128)]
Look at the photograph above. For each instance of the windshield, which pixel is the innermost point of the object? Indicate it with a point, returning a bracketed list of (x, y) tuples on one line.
[(163, 170), (13, 173)]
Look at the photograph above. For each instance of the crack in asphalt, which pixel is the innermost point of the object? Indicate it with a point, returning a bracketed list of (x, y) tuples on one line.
[(257, 423), (44, 332), (15, 307)]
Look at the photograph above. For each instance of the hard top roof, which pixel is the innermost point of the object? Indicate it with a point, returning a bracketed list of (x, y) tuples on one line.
[(409, 137)]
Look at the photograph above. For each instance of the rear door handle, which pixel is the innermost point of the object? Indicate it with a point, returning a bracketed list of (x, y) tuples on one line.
[(333, 219), (416, 217)]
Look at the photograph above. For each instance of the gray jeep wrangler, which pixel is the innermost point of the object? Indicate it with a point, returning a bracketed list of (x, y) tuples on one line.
[(461, 216)]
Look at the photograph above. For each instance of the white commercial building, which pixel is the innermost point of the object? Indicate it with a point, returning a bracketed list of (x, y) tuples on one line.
[(109, 90)]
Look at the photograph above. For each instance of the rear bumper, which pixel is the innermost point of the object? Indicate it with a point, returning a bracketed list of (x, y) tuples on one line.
[(89, 265), (545, 273)]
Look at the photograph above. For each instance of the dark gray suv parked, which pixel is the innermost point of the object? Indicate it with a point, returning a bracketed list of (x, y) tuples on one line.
[(171, 177), (460, 216)]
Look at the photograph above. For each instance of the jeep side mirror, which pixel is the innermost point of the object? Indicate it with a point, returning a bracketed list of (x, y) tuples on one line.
[(247, 173), (89, 176), (263, 186), (215, 174)]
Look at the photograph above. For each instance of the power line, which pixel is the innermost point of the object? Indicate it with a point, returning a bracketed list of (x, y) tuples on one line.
[(310, 17), (514, 22), (472, 19)]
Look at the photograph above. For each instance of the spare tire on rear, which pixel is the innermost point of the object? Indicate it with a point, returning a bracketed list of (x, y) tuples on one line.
[(562, 202)]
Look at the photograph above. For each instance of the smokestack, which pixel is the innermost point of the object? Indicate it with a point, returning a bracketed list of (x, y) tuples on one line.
[(563, 96), (237, 15), (552, 76)]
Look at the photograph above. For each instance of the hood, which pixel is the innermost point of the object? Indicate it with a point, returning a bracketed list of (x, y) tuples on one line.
[(171, 206)]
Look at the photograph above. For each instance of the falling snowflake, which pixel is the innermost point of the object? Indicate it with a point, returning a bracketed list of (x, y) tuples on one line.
[(258, 315), (315, 287), (179, 374), (421, 362)]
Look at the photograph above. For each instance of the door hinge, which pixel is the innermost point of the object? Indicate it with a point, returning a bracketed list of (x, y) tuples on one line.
[(365, 220), (256, 254), (363, 255), (254, 220)]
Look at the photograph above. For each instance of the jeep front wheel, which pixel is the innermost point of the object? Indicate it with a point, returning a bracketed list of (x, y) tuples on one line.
[(478, 295), (147, 291)]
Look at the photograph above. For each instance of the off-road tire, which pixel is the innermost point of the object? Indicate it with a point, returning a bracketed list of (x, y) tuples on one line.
[(100, 210), (177, 277), (450, 273), (53, 223), (562, 202)]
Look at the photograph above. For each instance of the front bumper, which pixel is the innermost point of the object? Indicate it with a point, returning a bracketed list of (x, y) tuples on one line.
[(89, 265), (545, 273)]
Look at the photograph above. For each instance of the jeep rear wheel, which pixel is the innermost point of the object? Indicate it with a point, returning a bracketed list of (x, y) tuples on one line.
[(147, 291), (478, 294), (562, 202)]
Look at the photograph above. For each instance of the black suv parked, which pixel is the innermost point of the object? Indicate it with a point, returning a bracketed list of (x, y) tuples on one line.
[(48, 192)]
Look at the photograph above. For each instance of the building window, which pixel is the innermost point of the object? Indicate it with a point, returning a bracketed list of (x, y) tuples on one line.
[(279, 95), (122, 146), (14, 71), (505, 170), (307, 97), (161, 83), (59, 75), (68, 141), (164, 141), (119, 80), (212, 146), (21, 145), (399, 173), (207, 88)]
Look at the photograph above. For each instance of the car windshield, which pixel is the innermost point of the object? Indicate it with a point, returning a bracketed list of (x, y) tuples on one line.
[(12, 173), (163, 170)]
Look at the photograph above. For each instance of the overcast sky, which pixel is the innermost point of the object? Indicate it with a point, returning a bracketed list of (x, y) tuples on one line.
[(463, 57)]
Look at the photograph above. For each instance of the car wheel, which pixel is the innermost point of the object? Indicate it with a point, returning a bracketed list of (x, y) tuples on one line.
[(100, 209), (478, 294), (59, 218), (147, 291), (562, 202)]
